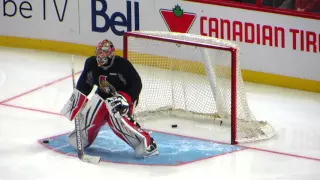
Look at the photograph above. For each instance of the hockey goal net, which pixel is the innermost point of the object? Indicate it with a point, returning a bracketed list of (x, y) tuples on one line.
[(194, 77)]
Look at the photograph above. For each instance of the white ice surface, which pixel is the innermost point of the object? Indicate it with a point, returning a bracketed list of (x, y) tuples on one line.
[(294, 114)]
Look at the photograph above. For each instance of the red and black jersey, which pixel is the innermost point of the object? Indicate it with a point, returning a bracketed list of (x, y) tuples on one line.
[(119, 72)]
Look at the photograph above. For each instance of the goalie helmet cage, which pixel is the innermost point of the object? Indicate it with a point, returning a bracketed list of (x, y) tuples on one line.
[(192, 76)]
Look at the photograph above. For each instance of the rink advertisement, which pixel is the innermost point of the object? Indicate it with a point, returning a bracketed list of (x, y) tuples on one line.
[(270, 44), (40, 19), (115, 21)]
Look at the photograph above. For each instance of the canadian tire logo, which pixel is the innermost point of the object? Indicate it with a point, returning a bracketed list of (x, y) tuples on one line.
[(177, 20)]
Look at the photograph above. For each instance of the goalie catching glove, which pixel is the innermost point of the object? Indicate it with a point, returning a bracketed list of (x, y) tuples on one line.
[(119, 105)]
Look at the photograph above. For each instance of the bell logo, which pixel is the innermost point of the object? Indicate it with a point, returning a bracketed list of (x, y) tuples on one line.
[(117, 22), (177, 20)]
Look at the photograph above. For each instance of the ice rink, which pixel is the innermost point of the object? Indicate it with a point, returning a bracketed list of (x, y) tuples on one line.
[(34, 86)]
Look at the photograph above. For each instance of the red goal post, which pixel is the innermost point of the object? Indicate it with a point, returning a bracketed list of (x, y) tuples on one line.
[(176, 56)]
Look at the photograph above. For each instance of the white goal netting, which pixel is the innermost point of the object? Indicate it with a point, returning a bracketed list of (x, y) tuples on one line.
[(190, 76)]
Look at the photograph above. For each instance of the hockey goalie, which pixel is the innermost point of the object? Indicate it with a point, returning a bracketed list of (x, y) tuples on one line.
[(119, 86)]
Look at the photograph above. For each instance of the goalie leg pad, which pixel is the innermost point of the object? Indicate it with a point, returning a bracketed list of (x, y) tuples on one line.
[(74, 104), (92, 118), (131, 133)]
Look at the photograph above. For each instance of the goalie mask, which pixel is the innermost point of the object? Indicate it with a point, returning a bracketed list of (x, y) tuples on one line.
[(104, 52)]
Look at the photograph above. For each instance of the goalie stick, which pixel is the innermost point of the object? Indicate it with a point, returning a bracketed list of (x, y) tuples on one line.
[(81, 155)]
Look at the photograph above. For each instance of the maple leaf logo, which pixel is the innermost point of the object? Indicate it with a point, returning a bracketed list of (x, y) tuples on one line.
[(177, 20)]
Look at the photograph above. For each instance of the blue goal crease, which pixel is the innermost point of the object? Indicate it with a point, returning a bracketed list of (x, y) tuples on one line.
[(173, 149)]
